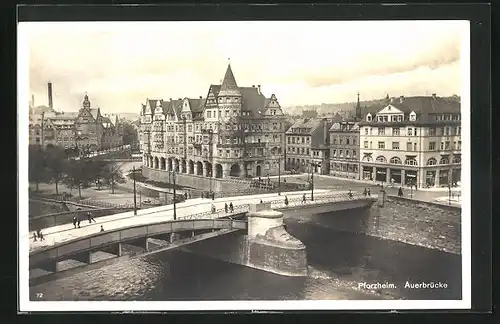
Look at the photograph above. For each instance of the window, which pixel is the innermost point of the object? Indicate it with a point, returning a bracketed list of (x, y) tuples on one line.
[(395, 145), (410, 131), (381, 145), (414, 146), (381, 130), (367, 158), (396, 160), (353, 153), (432, 146), (395, 131), (431, 161), (381, 159), (409, 146), (366, 130), (447, 145), (334, 152), (459, 146), (444, 160), (411, 161), (432, 131), (354, 141), (365, 144), (341, 153), (442, 145), (347, 141), (457, 159)]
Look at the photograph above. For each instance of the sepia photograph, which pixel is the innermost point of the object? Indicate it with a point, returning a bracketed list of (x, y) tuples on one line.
[(244, 165)]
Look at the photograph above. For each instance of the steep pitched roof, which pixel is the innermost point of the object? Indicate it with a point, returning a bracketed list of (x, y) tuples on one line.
[(94, 113), (229, 86), (309, 123), (253, 101), (196, 104)]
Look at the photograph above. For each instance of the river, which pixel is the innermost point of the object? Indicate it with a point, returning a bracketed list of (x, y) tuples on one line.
[(338, 263)]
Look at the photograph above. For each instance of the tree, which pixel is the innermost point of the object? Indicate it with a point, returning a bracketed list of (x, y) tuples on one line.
[(56, 165), (37, 170), (111, 174), (130, 136), (79, 174)]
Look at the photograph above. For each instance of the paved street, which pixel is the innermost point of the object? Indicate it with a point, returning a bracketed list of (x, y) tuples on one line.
[(62, 233)]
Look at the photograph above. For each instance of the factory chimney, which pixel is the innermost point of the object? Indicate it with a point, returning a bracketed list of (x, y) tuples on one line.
[(50, 95)]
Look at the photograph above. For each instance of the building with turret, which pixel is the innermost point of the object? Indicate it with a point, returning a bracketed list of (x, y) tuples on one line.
[(233, 131)]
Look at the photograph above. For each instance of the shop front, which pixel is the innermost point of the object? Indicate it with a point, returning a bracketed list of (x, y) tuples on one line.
[(396, 175), (381, 174), (367, 173), (443, 177), (411, 177), (430, 178)]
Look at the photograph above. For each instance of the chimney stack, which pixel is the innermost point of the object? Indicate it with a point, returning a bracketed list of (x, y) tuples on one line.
[(401, 99), (50, 94), (258, 87)]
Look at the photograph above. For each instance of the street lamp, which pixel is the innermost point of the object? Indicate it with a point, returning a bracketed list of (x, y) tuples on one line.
[(279, 176), (135, 200), (175, 209), (312, 164)]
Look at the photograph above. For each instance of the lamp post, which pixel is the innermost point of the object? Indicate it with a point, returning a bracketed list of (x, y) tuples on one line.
[(279, 176), (135, 201), (173, 182), (312, 164)]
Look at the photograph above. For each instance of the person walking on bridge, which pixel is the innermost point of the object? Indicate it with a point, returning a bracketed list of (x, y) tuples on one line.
[(304, 198), (213, 209), (350, 193), (286, 200), (74, 221), (226, 207), (34, 236), (40, 235), (90, 218), (231, 207), (365, 192), (369, 192), (400, 192)]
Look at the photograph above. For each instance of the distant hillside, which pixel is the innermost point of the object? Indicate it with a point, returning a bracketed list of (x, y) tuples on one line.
[(345, 108)]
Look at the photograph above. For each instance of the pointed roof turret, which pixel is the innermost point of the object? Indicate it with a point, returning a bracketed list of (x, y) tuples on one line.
[(229, 86)]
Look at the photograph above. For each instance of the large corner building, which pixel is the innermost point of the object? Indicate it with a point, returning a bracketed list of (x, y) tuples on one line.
[(231, 132)]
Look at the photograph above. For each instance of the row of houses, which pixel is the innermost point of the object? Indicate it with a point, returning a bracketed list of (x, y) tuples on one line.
[(405, 141)]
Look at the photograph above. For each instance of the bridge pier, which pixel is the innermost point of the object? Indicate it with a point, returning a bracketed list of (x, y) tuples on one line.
[(115, 249), (84, 257)]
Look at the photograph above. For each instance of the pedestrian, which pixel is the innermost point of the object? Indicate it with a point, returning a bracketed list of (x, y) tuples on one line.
[(261, 201), (350, 193), (102, 228), (74, 221), (400, 192), (213, 209), (186, 195), (365, 192), (226, 207), (286, 200), (369, 192), (90, 218), (78, 222), (34, 236), (213, 195), (304, 198), (231, 207), (40, 235)]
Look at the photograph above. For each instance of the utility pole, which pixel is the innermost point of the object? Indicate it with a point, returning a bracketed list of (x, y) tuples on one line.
[(312, 164), (175, 210), (135, 201), (279, 176)]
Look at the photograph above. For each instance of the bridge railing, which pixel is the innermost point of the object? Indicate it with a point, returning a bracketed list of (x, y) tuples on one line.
[(319, 198)]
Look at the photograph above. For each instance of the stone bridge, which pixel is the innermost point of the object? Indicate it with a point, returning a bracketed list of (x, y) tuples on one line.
[(154, 229)]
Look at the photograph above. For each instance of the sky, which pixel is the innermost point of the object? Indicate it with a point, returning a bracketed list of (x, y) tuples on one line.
[(121, 64)]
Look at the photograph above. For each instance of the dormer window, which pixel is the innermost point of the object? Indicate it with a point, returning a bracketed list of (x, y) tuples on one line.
[(413, 116), (369, 117)]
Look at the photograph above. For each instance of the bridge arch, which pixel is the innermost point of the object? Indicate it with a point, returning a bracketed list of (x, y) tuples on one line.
[(156, 162), (191, 167), (199, 168), (218, 170), (162, 163), (235, 170)]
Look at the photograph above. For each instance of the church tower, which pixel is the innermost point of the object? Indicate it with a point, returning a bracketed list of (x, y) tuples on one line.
[(358, 110), (86, 102), (229, 97)]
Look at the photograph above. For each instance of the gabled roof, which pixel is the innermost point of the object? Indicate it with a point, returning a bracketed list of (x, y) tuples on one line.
[(94, 112), (196, 104)]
